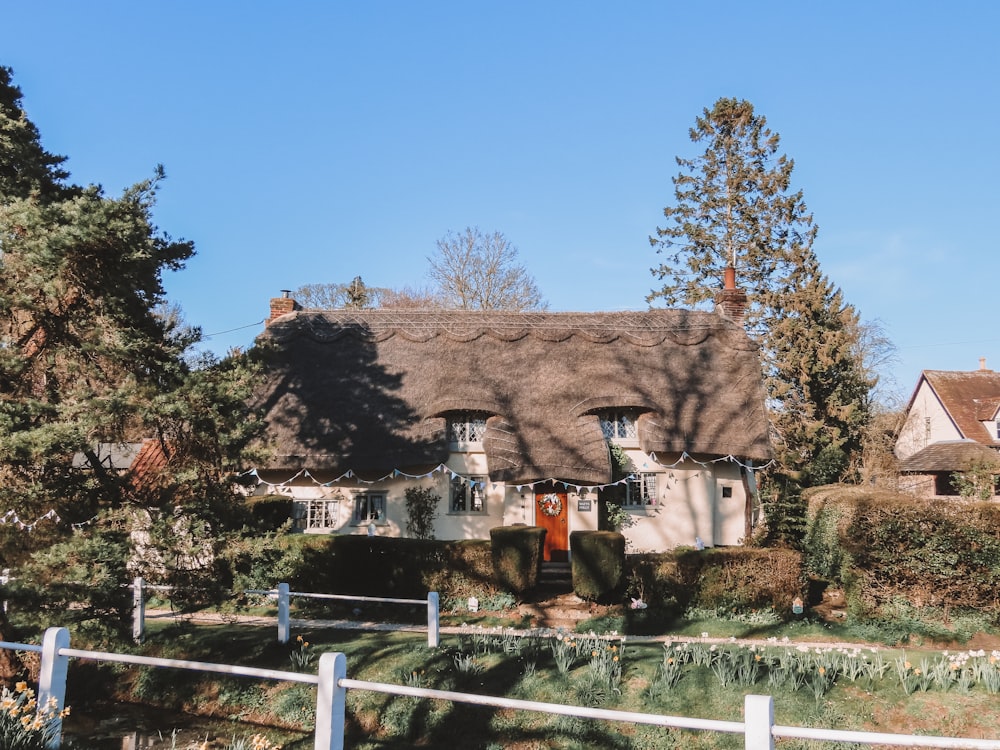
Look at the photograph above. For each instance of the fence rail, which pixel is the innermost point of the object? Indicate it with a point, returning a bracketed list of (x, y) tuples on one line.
[(284, 595), (332, 683)]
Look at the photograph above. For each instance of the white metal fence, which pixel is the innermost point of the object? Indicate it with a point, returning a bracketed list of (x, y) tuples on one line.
[(332, 683), (283, 595)]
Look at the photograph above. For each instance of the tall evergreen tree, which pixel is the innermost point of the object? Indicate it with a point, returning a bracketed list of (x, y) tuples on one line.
[(87, 355), (733, 206)]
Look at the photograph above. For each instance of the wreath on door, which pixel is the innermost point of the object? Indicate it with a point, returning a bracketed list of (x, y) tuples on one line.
[(550, 505)]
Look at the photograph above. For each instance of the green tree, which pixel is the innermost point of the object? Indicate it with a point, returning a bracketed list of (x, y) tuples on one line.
[(476, 271), (734, 207), (818, 389), (90, 353)]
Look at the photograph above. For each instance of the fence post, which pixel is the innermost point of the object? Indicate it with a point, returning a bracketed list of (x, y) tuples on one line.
[(330, 702), (283, 627), (52, 679), (433, 620), (758, 720), (138, 610)]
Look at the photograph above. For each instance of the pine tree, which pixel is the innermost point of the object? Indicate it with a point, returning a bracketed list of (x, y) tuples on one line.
[(734, 207), (88, 354), (819, 393)]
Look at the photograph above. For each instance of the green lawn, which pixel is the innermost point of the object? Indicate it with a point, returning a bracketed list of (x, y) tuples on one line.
[(816, 689)]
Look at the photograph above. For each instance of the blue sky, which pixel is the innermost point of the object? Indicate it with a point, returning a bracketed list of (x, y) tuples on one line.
[(312, 142)]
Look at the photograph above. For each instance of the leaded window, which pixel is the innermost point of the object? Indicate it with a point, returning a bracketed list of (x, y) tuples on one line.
[(321, 513), (620, 425), (465, 428), (318, 513)]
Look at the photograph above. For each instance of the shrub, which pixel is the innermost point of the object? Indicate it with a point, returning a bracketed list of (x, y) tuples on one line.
[(716, 579), (517, 556), (269, 512), (598, 564), (421, 510), (884, 547), (79, 583), (385, 566)]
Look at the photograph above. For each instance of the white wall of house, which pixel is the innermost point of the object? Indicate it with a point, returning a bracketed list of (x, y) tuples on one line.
[(926, 422), (691, 502)]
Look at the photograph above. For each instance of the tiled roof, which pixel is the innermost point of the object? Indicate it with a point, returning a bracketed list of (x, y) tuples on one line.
[(949, 455), (969, 398)]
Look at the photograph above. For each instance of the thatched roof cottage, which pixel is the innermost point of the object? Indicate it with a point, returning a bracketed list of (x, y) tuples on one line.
[(508, 418)]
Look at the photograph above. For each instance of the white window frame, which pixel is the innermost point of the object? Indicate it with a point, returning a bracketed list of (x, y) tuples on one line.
[(369, 507), (465, 493), (321, 513), (640, 491), (620, 426), (316, 513), (466, 429)]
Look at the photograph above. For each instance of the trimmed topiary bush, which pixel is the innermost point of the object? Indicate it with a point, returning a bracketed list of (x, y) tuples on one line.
[(598, 561), (517, 556)]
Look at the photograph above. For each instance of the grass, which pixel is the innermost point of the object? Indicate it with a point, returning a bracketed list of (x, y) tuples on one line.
[(495, 663)]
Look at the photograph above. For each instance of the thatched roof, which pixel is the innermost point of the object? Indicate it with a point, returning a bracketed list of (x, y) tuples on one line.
[(950, 455), (369, 390)]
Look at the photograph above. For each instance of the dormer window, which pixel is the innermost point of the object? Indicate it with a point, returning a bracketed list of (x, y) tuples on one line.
[(996, 428), (620, 425), (466, 428)]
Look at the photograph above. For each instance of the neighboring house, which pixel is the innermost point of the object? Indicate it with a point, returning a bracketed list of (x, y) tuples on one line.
[(508, 417), (952, 425), (115, 457)]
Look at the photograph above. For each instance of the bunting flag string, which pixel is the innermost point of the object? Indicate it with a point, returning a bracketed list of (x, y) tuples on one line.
[(396, 473), (81, 524), (350, 474), (685, 456), (11, 517)]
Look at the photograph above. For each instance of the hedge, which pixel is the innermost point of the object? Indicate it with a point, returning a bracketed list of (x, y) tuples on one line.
[(717, 578), (884, 547)]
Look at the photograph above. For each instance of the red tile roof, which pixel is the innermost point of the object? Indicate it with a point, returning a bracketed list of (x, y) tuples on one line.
[(148, 463), (970, 398)]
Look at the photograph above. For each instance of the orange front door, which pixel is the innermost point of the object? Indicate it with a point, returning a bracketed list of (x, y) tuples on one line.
[(550, 514)]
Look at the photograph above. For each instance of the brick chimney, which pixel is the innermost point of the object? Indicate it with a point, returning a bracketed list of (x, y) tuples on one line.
[(282, 306), (731, 302)]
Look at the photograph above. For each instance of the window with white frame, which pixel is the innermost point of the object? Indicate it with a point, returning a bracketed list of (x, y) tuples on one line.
[(317, 513), (640, 491), (466, 428), (467, 495), (620, 425), (320, 513), (369, 507)]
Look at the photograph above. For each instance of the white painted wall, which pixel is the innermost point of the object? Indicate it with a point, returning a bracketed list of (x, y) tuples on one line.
[(689, 504), (926, 422)]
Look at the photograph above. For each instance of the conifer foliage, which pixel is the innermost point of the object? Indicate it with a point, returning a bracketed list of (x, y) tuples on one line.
[(734, 206), (90, 355)]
